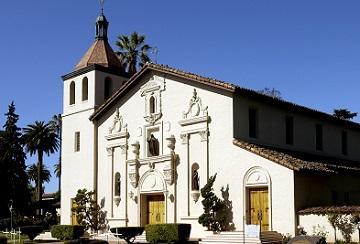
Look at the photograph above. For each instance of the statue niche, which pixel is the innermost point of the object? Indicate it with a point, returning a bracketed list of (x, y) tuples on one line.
[(153, 145), (195, 180)]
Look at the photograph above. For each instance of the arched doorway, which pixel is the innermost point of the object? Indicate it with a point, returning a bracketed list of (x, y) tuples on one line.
[(257, 192), (153, 199)]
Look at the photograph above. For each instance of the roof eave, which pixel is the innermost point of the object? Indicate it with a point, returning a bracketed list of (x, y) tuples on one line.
[(92, 67)]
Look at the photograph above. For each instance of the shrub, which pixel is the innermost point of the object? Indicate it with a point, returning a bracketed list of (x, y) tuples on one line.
[(178, 233), (31, 231), (3, 240), (67, 232), (128, 233)]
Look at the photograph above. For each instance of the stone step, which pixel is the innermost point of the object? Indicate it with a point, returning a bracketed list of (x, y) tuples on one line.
[(229, 237), (45, 236)]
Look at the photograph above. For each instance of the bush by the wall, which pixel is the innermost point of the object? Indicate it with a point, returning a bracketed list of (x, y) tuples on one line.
[(177, 233), (67, 232), (3, 240), (31, 231)]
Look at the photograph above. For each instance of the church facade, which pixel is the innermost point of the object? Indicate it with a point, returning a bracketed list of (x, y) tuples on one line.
[(148, 143)]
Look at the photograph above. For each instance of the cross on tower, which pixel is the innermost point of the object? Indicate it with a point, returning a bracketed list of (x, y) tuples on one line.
[(102, 5)]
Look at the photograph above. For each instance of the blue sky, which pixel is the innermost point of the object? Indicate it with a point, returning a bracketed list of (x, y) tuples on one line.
[(308, 50)]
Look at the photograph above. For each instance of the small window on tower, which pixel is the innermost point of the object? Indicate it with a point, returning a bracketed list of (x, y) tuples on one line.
[(85, 93), (77, 141), (72, 93)]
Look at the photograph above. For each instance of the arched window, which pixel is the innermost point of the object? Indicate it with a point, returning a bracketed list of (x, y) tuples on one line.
[(107, 88), (72, 93), (152, 105), (85, 92), (195, 179), (117, 187)]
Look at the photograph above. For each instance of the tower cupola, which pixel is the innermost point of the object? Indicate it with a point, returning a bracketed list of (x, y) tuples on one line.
[(101, 27)]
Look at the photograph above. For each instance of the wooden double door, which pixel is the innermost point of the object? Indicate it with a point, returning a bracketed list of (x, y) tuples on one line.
[(258, 207), (155, 205)]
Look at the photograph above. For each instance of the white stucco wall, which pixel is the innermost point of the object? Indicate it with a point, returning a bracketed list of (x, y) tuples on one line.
[(77, 170), (217, 155), (309, 222)]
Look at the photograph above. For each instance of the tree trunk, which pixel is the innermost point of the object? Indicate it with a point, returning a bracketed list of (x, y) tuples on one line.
[(39, 181)]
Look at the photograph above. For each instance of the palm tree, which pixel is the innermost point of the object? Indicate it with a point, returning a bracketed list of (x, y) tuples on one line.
[(32, 172), (133, 52), (40, 138), (56, 124)]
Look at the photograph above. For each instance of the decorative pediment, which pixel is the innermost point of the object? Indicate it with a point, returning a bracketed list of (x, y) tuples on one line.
[(151, 91), (156, 83), (118, 129), (196, 111), (195, 108), (256, 177)]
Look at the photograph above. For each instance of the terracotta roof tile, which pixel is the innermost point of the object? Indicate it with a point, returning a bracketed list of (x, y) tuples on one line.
[(300, 161), (100, 53), (231, 88), (330, 210)]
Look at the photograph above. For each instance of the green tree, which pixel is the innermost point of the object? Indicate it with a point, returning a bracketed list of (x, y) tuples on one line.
[(56, 125), (40, 138), (343, 113), (218, 215), (133, 52), (14, 183), (32, 172), (332, 218), (88, 213)]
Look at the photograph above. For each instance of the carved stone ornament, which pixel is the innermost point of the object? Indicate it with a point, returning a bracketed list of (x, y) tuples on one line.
[(135, 148), (151, 166), (152, 89), (184, 138), (118, 124), (204, 135), (117, 200), (123, 148), (169, 175), (171, 143), (134, 178), (195, 195), (195, 108), (109, 151)]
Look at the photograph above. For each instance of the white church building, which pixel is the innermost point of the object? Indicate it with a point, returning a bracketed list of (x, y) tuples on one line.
[(147, 143)]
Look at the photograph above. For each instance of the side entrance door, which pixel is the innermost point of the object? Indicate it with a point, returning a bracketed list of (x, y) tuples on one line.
[(155, 209), (259, 207)]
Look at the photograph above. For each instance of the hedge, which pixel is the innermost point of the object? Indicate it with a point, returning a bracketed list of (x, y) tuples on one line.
[(67, 232), (177, 233), (31, 231), (3, 240)]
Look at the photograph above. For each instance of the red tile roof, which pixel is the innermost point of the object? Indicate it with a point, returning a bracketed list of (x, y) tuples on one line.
[(330, 210), (300, 161), (227, 87), (100, 53)]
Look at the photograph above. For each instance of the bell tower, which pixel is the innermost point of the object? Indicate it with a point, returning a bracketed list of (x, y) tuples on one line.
[(97, 76)]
